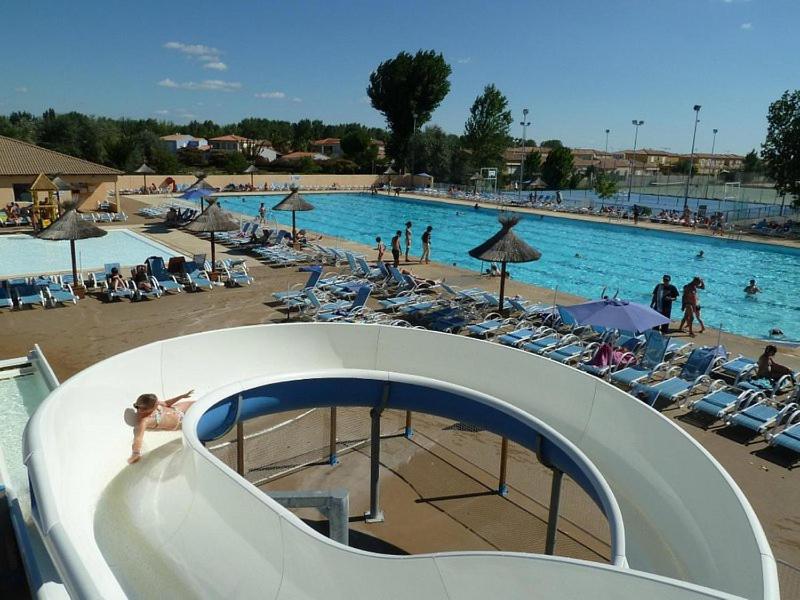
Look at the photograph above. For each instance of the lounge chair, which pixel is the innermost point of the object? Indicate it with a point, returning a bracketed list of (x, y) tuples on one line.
[(400, 300), (549, 343), (140, 294), (358, 305), (762, 415), (197, 276), (56, 293), (5, 296), (607, 359), (97, 279), (26, 294), (369, 272), (652, 362), (236, 277), (572, 353), (110, 294), (162, 278), (684, 380), (788, 437), (723, 401), (490, 326), (737, 369), (530, 310), (519, 336)]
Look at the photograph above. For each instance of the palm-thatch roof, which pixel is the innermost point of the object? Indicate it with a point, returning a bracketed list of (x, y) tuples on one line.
[(213, 219), (251, 169), (70, 226), (144, 170), (293, 202), (63, 186), (504, 246), (200, 184)]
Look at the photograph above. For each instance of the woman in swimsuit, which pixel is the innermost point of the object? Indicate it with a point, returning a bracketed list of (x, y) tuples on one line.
[(151, 413)]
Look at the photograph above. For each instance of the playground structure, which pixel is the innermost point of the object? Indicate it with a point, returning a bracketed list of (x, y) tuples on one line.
[(44, 213), (182, 523)]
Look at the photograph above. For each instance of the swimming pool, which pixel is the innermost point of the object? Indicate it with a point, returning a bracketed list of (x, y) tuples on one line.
[(617, 257), (24, 255)]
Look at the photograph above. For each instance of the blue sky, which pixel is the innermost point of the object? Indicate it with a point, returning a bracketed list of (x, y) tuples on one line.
[(580, 66)]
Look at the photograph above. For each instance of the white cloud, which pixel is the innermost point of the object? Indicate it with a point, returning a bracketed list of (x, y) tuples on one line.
[(464, 61), (215, 85), (21, 89), (296, 99), (163, 111), (746, 26), (193, 49), (270, 95), (217, 65)]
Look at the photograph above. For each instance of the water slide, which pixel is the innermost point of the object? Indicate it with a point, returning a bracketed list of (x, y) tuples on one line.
[(180, 523)]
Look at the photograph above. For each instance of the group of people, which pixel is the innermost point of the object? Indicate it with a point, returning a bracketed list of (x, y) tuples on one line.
[(15, 213), (140, 276), (665, 293), (397, 245)]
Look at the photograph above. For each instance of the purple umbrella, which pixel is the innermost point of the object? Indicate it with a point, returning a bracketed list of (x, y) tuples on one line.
[(616, 314)]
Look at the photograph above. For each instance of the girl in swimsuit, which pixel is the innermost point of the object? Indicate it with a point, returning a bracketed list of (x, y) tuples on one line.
[(151, 413)]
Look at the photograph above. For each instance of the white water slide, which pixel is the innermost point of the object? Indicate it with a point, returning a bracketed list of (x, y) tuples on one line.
[(181, 524)]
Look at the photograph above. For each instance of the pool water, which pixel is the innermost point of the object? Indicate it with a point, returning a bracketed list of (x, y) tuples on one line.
[(25, 255), (614, 257)]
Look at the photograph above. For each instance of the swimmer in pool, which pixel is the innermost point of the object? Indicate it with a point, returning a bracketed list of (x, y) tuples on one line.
[(151, 413), (752, 289), (700, 254)]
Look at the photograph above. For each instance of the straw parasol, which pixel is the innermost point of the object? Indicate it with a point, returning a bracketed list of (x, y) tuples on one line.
[(294, 202), (505, 247), (71, 227), (212, 220), (145, 171), (250, 171)]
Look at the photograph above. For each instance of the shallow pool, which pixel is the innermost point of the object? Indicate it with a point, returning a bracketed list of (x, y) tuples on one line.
[(611, 256), (24, 254)]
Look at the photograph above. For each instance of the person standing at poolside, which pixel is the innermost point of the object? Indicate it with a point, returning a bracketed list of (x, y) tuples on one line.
[(635, 214), (691, 305), (663, 295), (408, 235), (396, 248), (426, 246), (262, 213), (381, 248)]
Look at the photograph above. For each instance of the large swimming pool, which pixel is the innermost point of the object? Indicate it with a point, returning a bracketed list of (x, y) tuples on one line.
[(612, 256), (25, 255)]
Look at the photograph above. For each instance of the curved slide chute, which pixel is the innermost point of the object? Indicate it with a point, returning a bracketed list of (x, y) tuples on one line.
[(180, 523)]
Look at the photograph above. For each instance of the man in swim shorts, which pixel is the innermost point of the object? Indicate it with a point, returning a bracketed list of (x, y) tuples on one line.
[(151, 413)]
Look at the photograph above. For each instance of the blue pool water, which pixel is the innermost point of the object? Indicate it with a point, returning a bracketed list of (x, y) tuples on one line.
[(613, 256), (23, 254)]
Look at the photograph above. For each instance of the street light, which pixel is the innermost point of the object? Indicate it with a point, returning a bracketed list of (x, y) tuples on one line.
[(607, 132), (696, 108), (636, 123), (713, 160), (525, 124)]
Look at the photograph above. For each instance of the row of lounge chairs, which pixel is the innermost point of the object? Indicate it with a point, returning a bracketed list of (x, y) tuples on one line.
[(44, 291), (104, 217)]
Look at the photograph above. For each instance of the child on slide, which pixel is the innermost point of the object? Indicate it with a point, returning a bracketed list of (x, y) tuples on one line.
[(152, 413)]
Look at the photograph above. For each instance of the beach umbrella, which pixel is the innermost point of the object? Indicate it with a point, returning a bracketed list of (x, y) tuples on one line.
[(212, 220), (505, 247), (71, 227), (614, 313), (294, 202), (538, 184), (250, 170), (196, 194), (144, 170)]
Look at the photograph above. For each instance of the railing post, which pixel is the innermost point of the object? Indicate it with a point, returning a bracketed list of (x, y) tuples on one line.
[(502, 487), (375, 514), (409, 433), (240, 447), (333, 459), (552, 517)]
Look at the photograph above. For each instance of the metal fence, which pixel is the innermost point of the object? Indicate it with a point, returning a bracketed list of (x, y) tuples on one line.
[(453, 467)]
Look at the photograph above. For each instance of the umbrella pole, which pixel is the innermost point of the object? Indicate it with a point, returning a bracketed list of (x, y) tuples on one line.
[(294, 231), (74, 264), (502, 284), (213, 257)]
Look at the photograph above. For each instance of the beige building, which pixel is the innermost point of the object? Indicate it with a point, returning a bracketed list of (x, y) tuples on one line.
[(21, 163), (713, 164)]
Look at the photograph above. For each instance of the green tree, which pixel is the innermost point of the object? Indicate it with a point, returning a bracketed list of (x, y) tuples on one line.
[(406, 87), (781, 149), (531, 165), (682, 167), (433, 151), (307, 165), (551, 144), (558, 168), (358, 147), (605, 186), (752, 163), (486, 130), (235, 163)]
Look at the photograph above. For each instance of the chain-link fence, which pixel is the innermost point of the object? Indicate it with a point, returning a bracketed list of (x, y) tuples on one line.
[(439, 487)]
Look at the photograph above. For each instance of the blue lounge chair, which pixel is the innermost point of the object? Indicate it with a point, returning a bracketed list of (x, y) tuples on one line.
[(723, 401), (789, 437), (357, 306), (737, 369), (370, 273), (97, 279), (197, 276), (139, 294), (402, 299), (26, 294), (59, 294), (125, 291), (761, 416), (691, 376), (652, 362), (572, 353), (549, 343), (314, 275), (530, 311), (5, 296), (163, 278), (519, 336), (236, 277), (491, 325)]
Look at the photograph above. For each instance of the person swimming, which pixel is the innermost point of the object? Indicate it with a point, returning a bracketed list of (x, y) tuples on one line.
[(752, 289), (700, 255)]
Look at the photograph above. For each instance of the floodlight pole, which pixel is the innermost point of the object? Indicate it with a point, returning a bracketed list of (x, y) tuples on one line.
[(696, 109), (525, 123), (636, 123), (607, 132), (713, 159)]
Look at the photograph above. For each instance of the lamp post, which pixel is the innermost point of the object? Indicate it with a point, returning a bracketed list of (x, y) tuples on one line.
[(696, 108), (636, 123), (713, 160), (607, 132), (525, 124)]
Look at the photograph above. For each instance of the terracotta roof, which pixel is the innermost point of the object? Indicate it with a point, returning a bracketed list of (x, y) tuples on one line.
[(177, 137), (229, 138), (326, 142), (22, 158), (298, 155)]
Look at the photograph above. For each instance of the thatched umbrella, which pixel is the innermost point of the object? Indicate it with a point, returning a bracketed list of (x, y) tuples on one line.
[(145, 171), (251, 170), (211, 220), (505, 247), (71, 227), (294, 202)]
